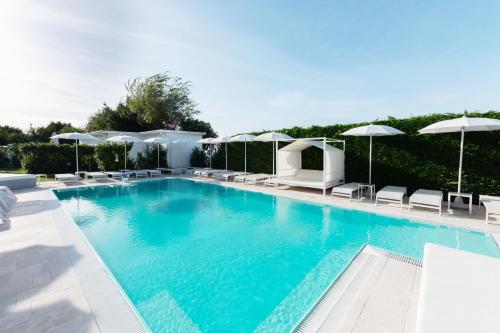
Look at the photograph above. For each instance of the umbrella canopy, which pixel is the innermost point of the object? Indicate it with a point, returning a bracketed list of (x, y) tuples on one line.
[(274, 137), (463, 124), (371, 131), (124, 139), (77, 137), (158, 141), (243, 138)]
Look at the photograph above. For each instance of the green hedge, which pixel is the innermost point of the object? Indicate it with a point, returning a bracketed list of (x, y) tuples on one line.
[(110, 157), (148, 158), (412, 160), (50, 158)]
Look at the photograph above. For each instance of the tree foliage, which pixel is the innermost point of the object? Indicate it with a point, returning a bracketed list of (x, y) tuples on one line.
[(43, 133), (9, 134), (120, 118), (156, 102), (161, 99)]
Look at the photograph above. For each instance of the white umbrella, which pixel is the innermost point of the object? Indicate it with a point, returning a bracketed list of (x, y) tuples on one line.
[(371, 131), (463, 124), (243, 138), (274, 137), (158, 141), (77, 137), (222, 139), (124, 139)]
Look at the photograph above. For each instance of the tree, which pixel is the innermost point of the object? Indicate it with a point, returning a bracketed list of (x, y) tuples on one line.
[(161, 99), (9, 134), (196, 125), (43, 133), (120, 118)]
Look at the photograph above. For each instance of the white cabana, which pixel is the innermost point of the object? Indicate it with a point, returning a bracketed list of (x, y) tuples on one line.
[(289, 169)]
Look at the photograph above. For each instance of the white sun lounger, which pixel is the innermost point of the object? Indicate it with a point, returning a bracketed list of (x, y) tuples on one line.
[(426, 199), (346, 190), (8, 192), (256, 178), (5, 202), (116, 174), (198, 172), (391, 194), (141, 173), (225, 175), (485, 198), (96, 175), (209, 172), (492, 208), (65, 177), (173, 171), (154, 173)]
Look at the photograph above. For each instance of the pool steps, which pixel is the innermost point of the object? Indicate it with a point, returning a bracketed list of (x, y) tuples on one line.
[(332, 308)]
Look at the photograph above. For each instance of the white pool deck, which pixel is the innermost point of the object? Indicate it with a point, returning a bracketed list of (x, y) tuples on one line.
[(52, 281)]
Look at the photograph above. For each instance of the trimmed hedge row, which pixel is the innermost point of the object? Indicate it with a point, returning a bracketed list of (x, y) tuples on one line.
[(51, 158), (412, 160)]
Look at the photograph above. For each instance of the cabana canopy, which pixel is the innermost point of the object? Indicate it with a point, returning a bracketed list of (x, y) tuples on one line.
[(290, 171)]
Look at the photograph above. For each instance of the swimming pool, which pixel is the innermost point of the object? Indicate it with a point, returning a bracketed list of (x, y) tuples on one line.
[(194, 256)]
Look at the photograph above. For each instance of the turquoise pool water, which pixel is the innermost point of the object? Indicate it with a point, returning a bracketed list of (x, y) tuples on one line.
[(201, 257)]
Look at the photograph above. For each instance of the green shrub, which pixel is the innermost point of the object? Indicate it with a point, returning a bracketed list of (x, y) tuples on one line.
[(148, 158), (109, 157), (51, 158), (198, 158), (412, 160)]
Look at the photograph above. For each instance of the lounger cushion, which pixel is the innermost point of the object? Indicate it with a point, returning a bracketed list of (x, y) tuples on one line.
[(392, 193), (427, 197), (346, 188), (493, 207)]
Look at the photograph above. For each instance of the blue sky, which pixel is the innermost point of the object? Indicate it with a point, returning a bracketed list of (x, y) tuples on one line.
[(253, 64)]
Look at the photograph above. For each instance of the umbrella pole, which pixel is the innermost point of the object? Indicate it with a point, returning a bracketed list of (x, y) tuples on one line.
[(77, 171), (370, 172), (460, 163), (158, 156), (273, 158), (225, 150), (245, 156), (125, 154)]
